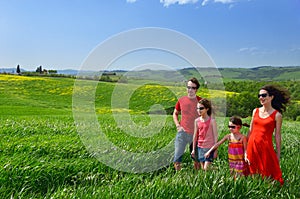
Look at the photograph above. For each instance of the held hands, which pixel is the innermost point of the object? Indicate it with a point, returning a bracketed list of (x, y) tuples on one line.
[(246, 159), (193, 153), (206, 155)]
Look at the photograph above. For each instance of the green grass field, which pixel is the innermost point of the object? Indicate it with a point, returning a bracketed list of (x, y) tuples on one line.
[(43, 155)]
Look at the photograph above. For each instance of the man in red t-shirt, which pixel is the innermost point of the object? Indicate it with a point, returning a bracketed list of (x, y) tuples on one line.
[(186, 106)]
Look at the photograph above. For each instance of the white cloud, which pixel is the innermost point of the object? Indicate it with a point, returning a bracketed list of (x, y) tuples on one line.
[(256, 51), (180, 2), (204, 2), (223, 1), (248, 49), (167, 3), (131, 1)]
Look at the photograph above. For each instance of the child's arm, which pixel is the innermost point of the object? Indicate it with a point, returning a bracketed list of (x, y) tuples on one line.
[(226, 137), (245, 149), (215, 133), (194, 138)]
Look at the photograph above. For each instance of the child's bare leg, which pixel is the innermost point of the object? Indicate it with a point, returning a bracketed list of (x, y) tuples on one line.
[(206, 165), (202, 165)]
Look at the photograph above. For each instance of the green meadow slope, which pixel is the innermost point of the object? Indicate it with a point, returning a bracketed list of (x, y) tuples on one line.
[(44, 156)]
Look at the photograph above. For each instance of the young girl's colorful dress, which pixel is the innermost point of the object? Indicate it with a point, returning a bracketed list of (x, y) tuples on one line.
[(236, 159), (260, 150)]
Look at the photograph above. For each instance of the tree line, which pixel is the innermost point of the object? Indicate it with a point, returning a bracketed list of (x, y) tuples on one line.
[(245, 98)]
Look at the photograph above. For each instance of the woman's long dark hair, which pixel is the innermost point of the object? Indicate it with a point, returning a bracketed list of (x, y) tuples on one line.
[(281, 97)]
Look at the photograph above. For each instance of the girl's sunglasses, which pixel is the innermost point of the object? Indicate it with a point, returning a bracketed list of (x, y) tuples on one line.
[(231, 127)]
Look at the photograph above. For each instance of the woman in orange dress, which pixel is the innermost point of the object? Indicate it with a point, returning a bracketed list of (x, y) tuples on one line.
[(260, 151)]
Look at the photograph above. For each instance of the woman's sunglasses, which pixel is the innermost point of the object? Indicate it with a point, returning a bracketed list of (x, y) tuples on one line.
[(200, 108), (262, 95), (231, 127)]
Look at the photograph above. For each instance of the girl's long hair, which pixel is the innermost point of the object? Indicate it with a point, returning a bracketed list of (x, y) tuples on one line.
[(238, 121), (207, 104)]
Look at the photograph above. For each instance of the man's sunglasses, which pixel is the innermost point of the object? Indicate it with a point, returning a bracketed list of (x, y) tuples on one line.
[(191, 87)]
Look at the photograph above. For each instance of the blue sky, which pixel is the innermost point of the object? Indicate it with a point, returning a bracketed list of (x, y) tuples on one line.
[(60, 34)]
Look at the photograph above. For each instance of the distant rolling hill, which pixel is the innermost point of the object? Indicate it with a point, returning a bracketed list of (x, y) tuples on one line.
[(262, 73)]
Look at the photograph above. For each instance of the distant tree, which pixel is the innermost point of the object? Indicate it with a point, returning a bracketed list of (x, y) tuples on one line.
[(105, 78), (52, 71), (39, 69), (18, 69)]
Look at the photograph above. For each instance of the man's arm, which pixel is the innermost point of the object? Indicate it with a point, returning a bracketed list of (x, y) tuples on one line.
[(176, 119)]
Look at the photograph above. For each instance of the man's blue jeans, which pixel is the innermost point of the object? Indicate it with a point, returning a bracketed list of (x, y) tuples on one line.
[(181, 140)]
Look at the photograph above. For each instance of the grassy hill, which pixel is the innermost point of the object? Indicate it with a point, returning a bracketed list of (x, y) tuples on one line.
[(43, 155), (23, 95)]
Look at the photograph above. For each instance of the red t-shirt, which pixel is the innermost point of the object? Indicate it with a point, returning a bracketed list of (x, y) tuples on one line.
[(188, 109)]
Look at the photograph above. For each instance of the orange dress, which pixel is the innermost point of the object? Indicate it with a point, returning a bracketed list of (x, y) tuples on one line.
[(260, 150)]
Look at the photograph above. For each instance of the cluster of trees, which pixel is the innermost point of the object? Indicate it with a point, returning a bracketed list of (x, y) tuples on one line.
[(112, 77), (245, 100), (254, 86), (241, 104), (39, 70)]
